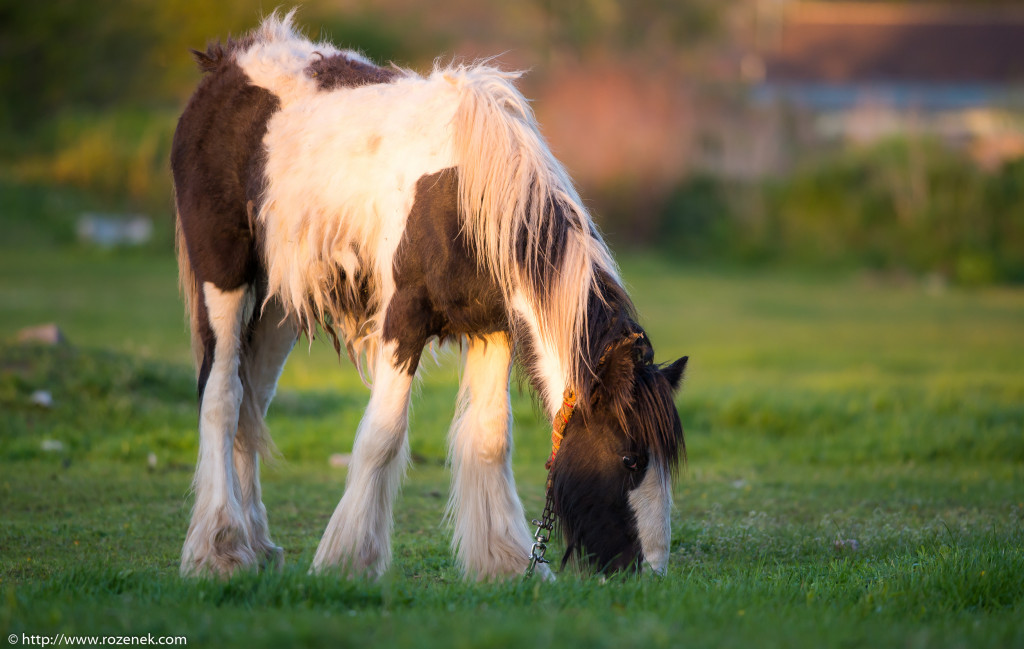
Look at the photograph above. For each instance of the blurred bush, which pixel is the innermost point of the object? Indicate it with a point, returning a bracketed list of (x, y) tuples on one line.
[(119, 156), (67, 55), (902, 204), (92, 93)]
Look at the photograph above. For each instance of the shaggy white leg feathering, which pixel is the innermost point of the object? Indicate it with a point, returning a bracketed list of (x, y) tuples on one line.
[(262, 362), (490, 537), (219, 536), (358, 537)]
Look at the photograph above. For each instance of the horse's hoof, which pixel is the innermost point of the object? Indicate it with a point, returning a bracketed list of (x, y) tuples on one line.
[(273, 558), (217, 552), (216, 567), (348, 569)]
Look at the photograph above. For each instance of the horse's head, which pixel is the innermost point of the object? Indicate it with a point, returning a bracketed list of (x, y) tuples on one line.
[(612, 477)]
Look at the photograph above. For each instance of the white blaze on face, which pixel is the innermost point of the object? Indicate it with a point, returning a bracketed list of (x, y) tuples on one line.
[(651, 503)]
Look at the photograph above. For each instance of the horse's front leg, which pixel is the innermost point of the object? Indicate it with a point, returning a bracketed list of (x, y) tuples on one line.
[(490, 535), (358, 537), (219, 536)]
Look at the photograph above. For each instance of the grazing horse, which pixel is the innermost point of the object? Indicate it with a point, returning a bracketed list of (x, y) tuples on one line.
[(316, 191)]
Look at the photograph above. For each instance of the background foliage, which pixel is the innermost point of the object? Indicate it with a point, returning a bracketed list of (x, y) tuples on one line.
[(91, 103), (900, 205)]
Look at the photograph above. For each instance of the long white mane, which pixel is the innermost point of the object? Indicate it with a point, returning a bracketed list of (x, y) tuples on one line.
[(510, 187), (342, 166)]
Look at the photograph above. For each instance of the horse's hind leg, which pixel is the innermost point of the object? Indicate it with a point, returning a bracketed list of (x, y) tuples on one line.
[(358, 537), (271, 338), (490, 534), (218, 539)]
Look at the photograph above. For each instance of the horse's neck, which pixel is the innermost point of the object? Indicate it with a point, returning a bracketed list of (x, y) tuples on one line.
[(547, 366), (552, 369)]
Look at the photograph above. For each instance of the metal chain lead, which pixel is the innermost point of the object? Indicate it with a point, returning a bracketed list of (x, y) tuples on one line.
[(543, 533), (547, 519)]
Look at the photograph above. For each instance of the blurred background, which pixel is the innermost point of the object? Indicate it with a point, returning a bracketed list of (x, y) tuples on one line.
[(821, 203), (884, 136), (878, 135)]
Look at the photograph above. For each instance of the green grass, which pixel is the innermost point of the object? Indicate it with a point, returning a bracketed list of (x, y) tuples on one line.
[(817, 410)]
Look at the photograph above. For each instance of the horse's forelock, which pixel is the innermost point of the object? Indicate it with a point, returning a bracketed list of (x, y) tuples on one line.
[(653, 421)]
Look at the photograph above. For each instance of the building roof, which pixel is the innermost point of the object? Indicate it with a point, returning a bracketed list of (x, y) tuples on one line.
[(844, 43)]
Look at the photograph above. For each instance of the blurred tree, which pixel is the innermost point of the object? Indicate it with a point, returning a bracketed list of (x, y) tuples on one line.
[(587, 26), (64, 52), (69, 55), (66, 55)]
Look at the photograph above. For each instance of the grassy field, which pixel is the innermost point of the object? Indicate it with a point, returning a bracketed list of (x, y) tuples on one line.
[(855, 476)]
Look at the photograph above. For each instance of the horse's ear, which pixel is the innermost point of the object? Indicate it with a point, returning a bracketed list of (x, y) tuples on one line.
[(615, 375), (617, 364), (674, 372)]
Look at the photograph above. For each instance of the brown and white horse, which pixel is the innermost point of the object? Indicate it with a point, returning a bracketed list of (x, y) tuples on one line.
[(316, 190)]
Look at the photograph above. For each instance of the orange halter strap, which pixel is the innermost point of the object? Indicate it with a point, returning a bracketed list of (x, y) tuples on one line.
[(559, 423)]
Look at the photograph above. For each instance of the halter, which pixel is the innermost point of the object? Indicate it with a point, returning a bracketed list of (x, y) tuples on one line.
[(558, 425)]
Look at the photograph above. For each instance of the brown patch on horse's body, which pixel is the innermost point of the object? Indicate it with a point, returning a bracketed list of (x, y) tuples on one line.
[(440, 288), (339, 71), (218, 161)]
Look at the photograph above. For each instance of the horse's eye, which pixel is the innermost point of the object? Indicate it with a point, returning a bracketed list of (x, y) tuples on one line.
[(629, 461)]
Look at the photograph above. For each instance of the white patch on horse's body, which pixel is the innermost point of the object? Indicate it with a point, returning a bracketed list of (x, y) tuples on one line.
[(358, 537), (490, 537), (278, 58), (333, 202), (651, 503), (219, 535)]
